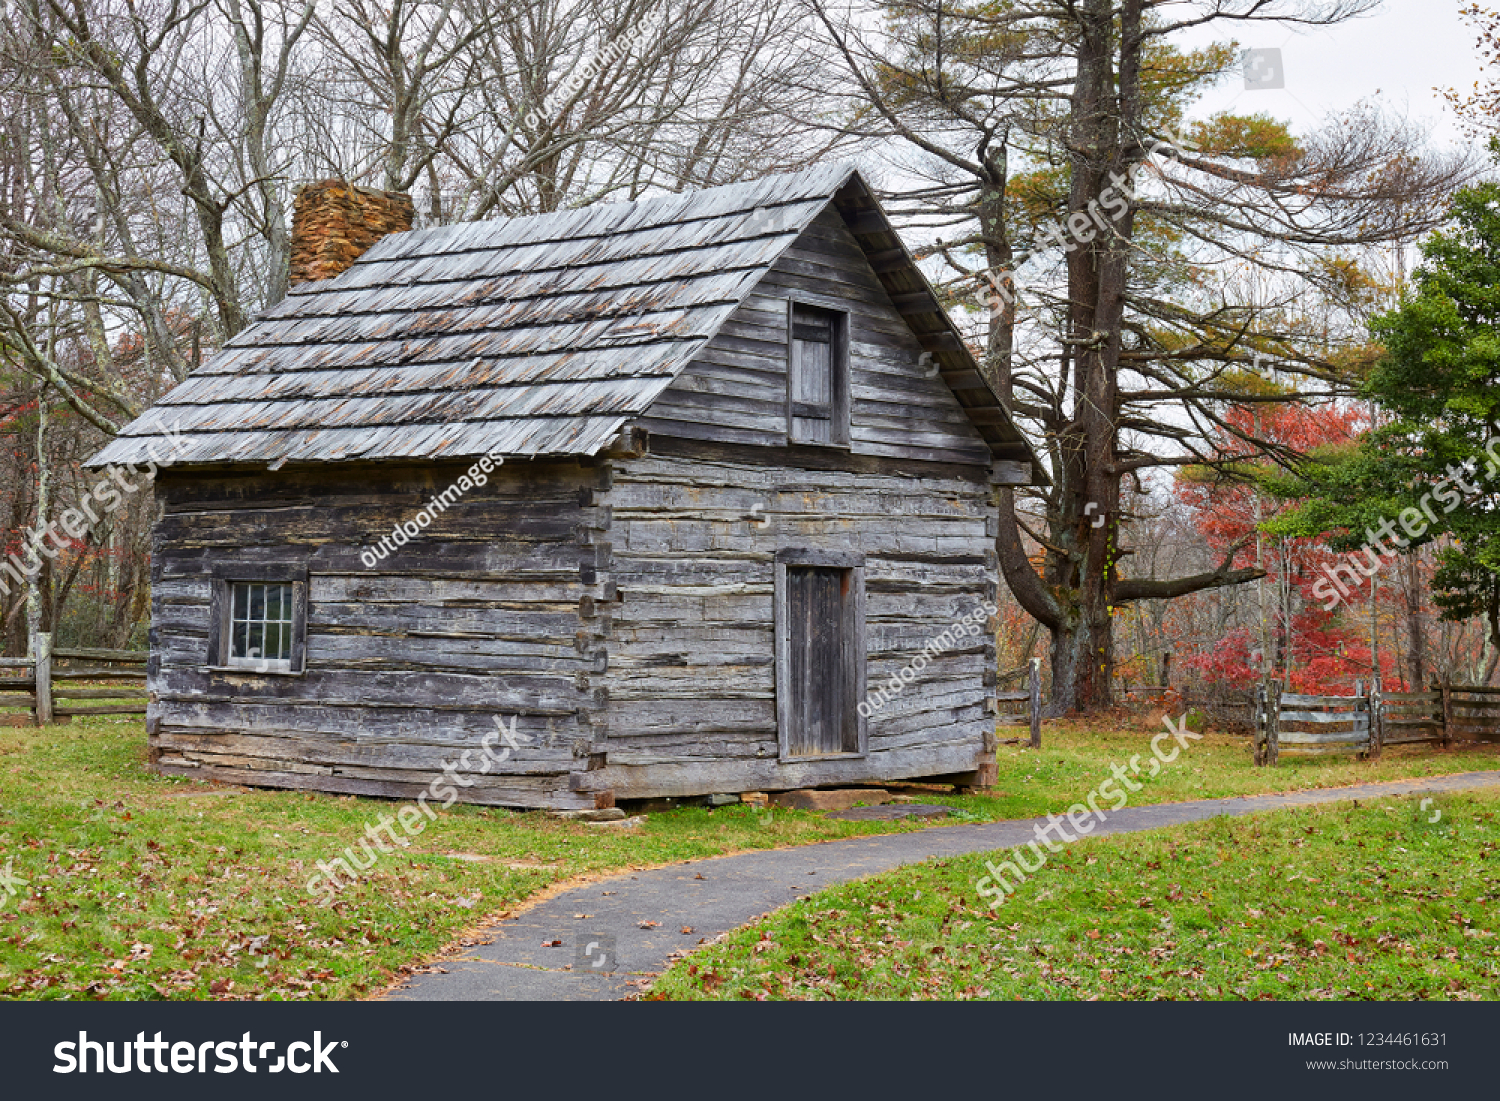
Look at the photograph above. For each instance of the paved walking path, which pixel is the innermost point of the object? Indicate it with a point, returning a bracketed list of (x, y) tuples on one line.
[(715, 895)]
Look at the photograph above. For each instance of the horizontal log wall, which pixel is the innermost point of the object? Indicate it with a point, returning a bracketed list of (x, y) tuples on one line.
[(489, 614), (691, 677), (735, 391)]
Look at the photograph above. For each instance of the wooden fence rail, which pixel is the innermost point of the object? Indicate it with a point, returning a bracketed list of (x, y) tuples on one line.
[(1411, 718), (1471, 713), (41, 683), (1365, 723), (1323, 725)]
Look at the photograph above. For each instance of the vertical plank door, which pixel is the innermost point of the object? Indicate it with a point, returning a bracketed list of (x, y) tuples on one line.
[(822, 689), (812, 382)]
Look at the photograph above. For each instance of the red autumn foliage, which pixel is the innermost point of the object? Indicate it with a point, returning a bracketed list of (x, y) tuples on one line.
[(1319, 651)]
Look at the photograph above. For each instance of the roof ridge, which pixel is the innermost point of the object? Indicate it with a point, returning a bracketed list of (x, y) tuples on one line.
[(398, 243), (602, 362)]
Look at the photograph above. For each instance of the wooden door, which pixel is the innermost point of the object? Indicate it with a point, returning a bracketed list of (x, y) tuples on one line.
[(818, 377), (821, 661)]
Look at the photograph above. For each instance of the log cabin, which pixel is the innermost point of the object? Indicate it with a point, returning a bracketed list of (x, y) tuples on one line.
[(665, 487)]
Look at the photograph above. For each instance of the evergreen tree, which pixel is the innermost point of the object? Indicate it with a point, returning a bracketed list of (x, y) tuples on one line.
[(1429, 474)]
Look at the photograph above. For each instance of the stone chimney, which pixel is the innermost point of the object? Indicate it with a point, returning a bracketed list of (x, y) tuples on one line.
[(335, 223)]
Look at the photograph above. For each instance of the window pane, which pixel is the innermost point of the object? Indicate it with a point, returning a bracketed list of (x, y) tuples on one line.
[(260, 625)]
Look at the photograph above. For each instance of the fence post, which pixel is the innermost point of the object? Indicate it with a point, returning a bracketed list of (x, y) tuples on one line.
[(1034, 685), (41, 650), (1377, 719), (1435, 701), (1273, 713), (1447, 700), (1262, 726), (1359, 694)]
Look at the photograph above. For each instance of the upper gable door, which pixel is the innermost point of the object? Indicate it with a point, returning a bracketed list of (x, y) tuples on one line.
[(817, 375), (818, 355)]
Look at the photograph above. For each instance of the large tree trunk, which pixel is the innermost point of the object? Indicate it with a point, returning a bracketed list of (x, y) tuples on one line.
[(1082, 569), (1082, 666), (1080, 584), (1076, 593)]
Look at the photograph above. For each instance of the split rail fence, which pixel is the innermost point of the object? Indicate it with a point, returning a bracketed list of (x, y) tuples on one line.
[(47, 687), (1363, 724)]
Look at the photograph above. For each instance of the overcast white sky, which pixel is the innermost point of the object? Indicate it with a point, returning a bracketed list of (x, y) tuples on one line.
[(1400, 53)]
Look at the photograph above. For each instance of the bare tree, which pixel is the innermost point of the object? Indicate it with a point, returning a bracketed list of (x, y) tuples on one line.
[(150, 150), (1043, 147)]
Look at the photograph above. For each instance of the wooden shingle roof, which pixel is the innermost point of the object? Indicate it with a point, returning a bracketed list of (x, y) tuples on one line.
[(533, 336)]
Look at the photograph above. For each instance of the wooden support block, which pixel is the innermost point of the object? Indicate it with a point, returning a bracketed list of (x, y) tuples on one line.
[(839, 799)]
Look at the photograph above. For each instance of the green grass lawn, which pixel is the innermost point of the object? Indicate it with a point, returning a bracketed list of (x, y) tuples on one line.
[(142, 886), (1072, 762), (1373, 901)]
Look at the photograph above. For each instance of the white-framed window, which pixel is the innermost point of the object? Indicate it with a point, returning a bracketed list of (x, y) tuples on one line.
[(260, 625), (258, 620)]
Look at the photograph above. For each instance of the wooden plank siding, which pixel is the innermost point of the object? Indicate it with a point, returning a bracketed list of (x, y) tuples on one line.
[(614, 584), (691, 675), (735, 389), (490, 613)]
